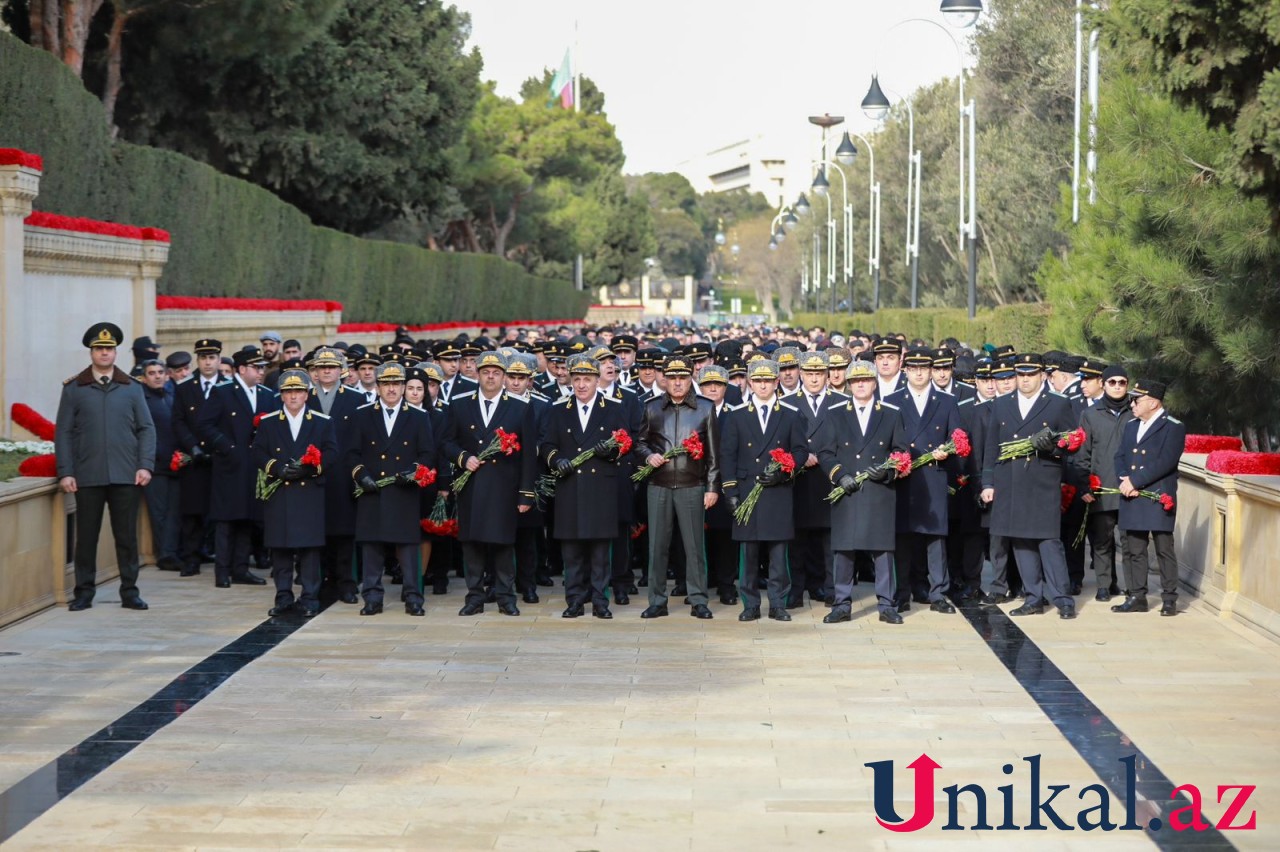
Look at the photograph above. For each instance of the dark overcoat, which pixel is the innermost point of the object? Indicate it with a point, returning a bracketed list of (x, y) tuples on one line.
[(392, 515), (812, 511), (745, 455), (1151, 465), (294, 515), (1028, 491), (1097, 457), (487, 506), (923, 498), (537, 516), (195, 481), (226, 424), (866, 519), (339, 504), (586, 500)]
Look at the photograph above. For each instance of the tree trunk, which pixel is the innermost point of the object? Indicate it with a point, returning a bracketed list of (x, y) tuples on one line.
[(111, 91), (501, 232), (77, 16)]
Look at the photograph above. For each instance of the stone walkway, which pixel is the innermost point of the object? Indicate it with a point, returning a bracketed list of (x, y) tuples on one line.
[(537, 732)]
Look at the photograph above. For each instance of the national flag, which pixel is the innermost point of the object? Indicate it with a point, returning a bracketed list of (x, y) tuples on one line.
[(562, 82)]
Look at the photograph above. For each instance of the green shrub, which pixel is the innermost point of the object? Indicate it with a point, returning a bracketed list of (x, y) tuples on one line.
[(232, 238), (1023, 325)]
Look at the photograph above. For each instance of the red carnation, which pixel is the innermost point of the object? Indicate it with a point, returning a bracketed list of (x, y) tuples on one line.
[(1072, 441), (693, 446), (961, 442), (257, 418), (902, 461), (784, 460), (638, 530), (1095, 482), (311, 456), (623, 440), (1068, 494), (424, 476), (42, 465), (508, 442), (1166, 500)]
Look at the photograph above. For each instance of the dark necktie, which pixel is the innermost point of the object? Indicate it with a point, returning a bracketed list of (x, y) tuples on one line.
[(204, 386), (813, 397), (764, 418), (488, 408), (105, 380)]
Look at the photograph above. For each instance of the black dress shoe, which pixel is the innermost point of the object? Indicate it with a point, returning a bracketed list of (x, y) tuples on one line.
[(574, 611), (1102, 596), (280, 609), (644, 581), (189, 571), (471, 609), (349, 598), (890, 617), (920, 597), (490, 596), (168, 563), (530, 597), (1028, 609), (545, 582), (1169, 608), (829, 600), (655, 612), (749, 615), (942, 605), (621, 599), (795, 603), (1114, 590), (134, 603), (371, 609), (414, 609), (728, 600), (397, 577), (222, 584), (248, 578), (904, 606), (1131, 604), (837, 615), (601, 613), (439, 590), (508, 609), (632, 590), (701, 611), (679, 590), (79, 604), (779, 614), (1067, 612), (1076, 588)]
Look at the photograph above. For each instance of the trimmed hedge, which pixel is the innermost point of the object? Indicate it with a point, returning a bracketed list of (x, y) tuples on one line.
[(232, 238), (1024, 326)]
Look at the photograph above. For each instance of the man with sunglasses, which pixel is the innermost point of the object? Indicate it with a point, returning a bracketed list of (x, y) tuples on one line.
[(1103, 423)]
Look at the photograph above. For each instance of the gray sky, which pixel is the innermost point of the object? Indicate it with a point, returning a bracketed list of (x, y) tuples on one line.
[(682, 77)]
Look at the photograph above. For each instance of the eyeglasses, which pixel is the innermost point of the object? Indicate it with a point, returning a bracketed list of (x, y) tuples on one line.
[(1118, 382)]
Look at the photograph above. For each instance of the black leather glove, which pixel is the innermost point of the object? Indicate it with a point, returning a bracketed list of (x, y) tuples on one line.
[(733, 501), (1044, 441), (772, 478), (199, 456), (883, 475), (849, 484), (405, 478), (309, 470), (290, 472), (604, 450), (367, 483), (563, 466)]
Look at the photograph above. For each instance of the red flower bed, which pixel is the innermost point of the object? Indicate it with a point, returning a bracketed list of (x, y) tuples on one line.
[(211, 303), (28, 418), (15, 157), (45, 465), (1249, 464), (1211, 443), (93, 226), (378, 327)]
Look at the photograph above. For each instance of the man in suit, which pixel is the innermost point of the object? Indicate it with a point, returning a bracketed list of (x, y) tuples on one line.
[(858, 434), (1026, 493), (500, 488), (294, 515), (887, 353), (811, 557), (1103, 423), (1147, 459), (105, 448), (929, 417), (449, 356), (633, 416), (392, 439), (944, 376), (751, 432), (722, 550), (530, 547), (195, 481), (625, 347), (227, 424), (339, 403), (587, 496)]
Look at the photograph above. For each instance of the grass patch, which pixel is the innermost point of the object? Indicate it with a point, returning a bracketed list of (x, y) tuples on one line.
[(9, 464)]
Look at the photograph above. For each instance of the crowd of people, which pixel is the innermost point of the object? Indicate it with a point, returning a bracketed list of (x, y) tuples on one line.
[(753, 465)]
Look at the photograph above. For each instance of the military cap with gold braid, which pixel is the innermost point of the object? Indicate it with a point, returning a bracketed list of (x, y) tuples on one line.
[(294, 380), (787, 357), (1091, 368), (522, 364), (918, 358), (1028, 362), (207, 346), (814, 362), (677, 365), (583, 365), (391, 372), (762, 368), (838, 357), (491, 359), (713, 373), (944, 358), (887, 346), (105, 334), (602, 352), (432, 372), (860, 369), (326, 356)]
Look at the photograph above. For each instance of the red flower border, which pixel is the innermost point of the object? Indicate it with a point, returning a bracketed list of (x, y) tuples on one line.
[(380, 327), (1247, 464), (215, 303), (57, 222), (1211, 443), (28, 418), (18, 157), (45, 465)]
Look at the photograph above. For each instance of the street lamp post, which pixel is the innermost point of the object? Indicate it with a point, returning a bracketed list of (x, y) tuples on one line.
[(876, 106), (846, 154), (820, 186)]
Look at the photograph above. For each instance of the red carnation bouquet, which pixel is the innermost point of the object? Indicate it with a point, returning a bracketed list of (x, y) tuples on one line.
[(179, 460), (1068, 496), (958, 446), (1070, 441), (961, 481), (503, 442), (901, 462), (438, 522), (1165, 500), (257, 418), (619, 440), (268, 484), (422, 477), (690, 446), (781, 461)]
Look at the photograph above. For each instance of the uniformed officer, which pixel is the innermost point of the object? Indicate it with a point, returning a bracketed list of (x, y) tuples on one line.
[(887, 354), (530, 547), (1103, 423), (195, 481), (857, 435), (586, 518), (751, 432), (722, 550), (392, 439), (294, 515), (1026, 493), (1147, 459), (500, 489), (624, 580), (105, 445), (811, 557), (227, 423)]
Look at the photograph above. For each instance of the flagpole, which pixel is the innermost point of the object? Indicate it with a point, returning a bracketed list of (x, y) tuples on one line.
[(577, 107)]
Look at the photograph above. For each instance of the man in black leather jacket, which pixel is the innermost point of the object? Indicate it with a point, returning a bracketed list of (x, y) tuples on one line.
[(683, 487)]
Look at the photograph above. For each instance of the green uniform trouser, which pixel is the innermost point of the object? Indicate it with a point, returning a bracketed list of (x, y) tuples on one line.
[(667, 507)]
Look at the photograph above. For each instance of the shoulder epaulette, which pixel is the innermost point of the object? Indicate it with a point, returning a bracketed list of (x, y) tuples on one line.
[(889, 405), (839, 395), (416, 407), (737, 407), (464, 395), (70, 379), (1053, 392), (539, 395), (319, 414), (1173, 419), (366, 405), (943, 392), (968, 400), (783, 404), (515, 398), (613, 399)]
